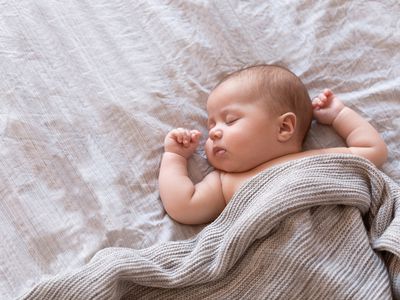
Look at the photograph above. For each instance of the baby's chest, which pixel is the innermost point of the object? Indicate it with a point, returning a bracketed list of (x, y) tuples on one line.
[(231, 182)]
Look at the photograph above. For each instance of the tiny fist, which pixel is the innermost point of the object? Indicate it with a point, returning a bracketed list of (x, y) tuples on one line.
[(316, 103), (195, 134)]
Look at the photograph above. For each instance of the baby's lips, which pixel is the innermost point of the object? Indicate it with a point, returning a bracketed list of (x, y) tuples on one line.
[(219, 151)]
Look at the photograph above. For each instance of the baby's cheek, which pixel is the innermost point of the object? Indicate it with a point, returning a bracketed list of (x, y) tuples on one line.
[(208, 148)]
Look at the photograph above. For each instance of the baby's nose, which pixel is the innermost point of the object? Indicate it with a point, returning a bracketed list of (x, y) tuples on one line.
[(215, 134)]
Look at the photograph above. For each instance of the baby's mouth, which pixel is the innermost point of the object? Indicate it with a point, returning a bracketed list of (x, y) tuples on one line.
[(219, 151)]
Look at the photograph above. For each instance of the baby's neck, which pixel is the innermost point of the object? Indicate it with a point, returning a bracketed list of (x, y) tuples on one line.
[(283, 153), (231, 182)]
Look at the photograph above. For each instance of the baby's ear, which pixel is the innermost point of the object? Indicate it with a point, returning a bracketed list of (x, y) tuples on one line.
[(287, 126)]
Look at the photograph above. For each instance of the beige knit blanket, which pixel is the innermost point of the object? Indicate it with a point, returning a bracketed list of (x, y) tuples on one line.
[(325, 227)]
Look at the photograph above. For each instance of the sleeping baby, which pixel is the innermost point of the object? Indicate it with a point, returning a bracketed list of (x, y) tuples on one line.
[(258, 117)]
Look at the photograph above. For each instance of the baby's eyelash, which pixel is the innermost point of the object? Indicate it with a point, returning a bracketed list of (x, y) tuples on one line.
[(231, 121)]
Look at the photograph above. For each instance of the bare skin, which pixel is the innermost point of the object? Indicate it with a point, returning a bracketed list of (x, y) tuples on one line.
[(227, 146)]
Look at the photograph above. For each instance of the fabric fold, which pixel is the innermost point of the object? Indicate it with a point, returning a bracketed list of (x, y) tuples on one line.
[(318, 227)]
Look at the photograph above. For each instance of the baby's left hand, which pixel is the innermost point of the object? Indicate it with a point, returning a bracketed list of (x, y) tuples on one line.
[(326, 107)]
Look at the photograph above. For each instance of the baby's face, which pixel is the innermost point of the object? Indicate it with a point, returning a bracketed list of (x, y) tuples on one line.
[(242, 132)]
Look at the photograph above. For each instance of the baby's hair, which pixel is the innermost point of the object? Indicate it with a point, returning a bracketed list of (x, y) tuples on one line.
[(283, 91)]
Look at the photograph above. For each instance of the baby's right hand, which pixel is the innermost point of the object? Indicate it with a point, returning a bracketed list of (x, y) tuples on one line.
[(182, 141), (326, 107)]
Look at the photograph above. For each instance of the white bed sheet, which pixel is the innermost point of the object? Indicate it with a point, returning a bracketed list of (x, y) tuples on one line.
[(88, 90)]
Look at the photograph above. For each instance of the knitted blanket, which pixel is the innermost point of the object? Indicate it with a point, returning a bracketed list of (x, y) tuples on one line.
[(323, 227)]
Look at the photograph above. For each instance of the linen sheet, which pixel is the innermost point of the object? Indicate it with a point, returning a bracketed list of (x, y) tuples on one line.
[(88, 90)]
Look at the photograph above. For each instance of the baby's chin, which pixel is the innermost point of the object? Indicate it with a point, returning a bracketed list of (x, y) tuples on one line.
[(227, 167), (226, 164), (217, 165)]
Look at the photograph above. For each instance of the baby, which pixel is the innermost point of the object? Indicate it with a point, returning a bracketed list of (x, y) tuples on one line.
[(258, 117)]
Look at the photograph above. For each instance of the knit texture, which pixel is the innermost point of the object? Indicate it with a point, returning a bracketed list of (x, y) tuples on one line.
[(323, 227)]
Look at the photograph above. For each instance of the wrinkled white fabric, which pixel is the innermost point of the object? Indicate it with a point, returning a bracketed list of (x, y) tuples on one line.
[(88, 90)]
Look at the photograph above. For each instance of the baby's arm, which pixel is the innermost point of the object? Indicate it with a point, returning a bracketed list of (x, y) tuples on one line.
[(184, 201), (361, 138)]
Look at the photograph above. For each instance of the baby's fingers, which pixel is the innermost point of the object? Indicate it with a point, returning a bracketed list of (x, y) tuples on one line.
[(318, 102), (322, 100), (181, 135), (195, 135), (185, 137), (328, 93)]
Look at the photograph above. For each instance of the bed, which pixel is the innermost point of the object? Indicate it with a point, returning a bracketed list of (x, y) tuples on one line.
[(88, 90)]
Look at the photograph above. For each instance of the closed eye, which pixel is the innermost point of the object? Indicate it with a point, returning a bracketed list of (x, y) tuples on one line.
[(231, 121)]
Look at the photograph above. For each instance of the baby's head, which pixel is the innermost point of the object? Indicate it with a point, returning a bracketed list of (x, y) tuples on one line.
[(271, 113), (281, 91)]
